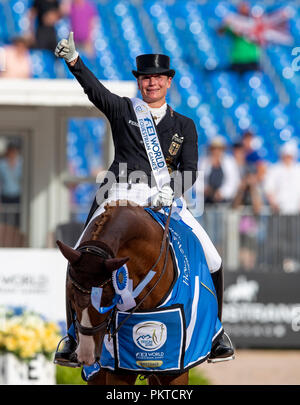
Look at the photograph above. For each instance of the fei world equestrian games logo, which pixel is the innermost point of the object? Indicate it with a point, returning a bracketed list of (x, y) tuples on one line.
[(141, 109), (150, 336)]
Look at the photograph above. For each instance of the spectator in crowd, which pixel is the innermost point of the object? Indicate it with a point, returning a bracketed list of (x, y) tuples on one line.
[(251, 153), (282, 188), (250, 196), (282, 185), (250, 190), (43, 16), (250, 31), (83, 18), (15, 60), (221, 174), (245, 54), (10, 182), (239, 156)]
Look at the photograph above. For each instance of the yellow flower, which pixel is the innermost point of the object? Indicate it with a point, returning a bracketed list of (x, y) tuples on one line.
[(11, 343), (27, 334)]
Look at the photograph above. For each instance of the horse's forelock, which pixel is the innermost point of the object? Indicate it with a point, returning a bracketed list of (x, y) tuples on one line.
[(90, 270)]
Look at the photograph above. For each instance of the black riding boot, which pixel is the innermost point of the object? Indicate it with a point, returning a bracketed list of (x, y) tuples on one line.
[(67, 356), (220, 350)]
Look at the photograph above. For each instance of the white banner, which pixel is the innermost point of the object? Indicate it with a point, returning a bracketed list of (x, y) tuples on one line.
[(151, 143), (35, 279)]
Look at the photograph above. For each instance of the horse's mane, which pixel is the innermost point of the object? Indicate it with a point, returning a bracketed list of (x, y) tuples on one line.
[(101, 221), (106, 215)]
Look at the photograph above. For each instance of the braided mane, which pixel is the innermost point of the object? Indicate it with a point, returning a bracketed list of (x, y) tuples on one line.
[(102, 220), (106, 215)]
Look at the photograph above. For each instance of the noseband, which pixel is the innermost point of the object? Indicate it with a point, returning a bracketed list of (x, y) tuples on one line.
[(84, 330)]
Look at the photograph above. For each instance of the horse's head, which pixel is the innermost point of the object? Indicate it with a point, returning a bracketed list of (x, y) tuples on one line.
[(90, 265)]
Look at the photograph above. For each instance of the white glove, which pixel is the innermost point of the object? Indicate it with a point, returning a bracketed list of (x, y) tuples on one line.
[(164, 197), (66, 49)]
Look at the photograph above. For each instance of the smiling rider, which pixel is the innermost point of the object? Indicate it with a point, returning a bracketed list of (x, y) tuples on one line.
[(179, 145)]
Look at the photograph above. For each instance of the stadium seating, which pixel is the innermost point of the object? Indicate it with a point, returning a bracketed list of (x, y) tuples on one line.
[(219, 101)]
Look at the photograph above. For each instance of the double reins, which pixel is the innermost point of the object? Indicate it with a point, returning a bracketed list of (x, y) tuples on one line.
[(105, 325), (86, 330), (165, 241)]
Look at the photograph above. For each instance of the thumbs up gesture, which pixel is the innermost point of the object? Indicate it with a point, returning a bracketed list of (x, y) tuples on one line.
[(66, 49)]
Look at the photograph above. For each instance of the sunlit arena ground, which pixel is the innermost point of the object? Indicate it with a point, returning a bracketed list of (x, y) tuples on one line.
[(250, 367), (255, 367)]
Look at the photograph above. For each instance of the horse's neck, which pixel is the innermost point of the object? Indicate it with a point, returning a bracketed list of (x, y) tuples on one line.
[(118, 226), (132, 232)]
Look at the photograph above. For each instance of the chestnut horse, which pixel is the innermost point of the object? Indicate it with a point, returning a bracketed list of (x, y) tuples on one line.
[(121, 234)]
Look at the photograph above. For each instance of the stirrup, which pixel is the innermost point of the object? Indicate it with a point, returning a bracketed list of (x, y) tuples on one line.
[(65, 363), (217, 360)]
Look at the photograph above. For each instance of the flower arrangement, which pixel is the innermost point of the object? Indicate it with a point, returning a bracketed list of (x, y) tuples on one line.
[(26, 333)]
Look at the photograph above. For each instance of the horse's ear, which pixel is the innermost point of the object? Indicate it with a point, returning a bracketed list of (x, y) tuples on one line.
[(114, 264), (70, 254)]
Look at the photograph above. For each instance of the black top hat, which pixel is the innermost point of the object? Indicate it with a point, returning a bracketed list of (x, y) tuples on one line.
[(151, 64)]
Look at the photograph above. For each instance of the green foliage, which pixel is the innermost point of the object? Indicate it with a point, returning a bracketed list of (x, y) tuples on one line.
[(197, 378), (70, 376)]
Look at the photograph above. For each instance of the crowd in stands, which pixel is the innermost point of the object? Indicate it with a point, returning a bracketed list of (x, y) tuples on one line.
[(236, 175), (264, 195), (43, 16)]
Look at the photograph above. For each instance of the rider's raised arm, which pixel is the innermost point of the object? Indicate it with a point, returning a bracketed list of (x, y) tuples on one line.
[(109, 103)]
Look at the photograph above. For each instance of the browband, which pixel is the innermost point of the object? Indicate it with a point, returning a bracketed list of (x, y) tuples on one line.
[(96, 247)]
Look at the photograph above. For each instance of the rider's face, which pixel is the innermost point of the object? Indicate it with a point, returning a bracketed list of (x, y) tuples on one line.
[(154, 88)]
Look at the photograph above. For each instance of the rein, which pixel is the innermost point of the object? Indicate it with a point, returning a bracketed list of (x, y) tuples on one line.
[(97, 251), (105, 325), (165, 241), (85, 330)]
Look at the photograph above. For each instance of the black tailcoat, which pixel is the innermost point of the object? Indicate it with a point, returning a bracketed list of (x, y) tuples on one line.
[(177, 133)]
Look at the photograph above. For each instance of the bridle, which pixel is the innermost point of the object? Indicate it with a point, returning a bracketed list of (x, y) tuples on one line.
[(105, 325), (94, 330), (165, 241)]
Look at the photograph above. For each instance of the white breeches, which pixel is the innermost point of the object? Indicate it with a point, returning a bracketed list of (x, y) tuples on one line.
[(140, 194)]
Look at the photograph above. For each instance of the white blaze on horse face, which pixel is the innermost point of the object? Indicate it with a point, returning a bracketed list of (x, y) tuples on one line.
[(86, 348)]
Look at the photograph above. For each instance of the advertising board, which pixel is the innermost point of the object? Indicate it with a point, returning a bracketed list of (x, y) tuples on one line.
[(262, 310)]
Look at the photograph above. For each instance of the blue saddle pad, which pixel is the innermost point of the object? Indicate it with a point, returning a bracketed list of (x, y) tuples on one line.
[(179, 333)]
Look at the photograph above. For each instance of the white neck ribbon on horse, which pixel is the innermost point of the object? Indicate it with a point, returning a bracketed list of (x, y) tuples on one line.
[(123, 286)]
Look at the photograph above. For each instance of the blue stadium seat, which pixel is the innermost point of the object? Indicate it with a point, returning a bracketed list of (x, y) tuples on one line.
[(42, 62), (219, 101), (85, 153)]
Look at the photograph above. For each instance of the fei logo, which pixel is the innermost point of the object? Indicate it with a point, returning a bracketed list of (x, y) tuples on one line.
[(141, 109), (149, 335)]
